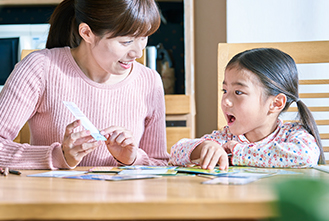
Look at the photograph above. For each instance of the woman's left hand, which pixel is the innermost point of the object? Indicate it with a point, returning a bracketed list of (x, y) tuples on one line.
[(121, 144)]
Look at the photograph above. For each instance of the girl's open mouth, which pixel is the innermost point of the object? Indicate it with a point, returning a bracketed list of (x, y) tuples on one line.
[(230, 119)]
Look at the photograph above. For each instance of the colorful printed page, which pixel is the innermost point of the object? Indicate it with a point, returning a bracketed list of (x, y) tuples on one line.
[(110, 177), (198, 170), (105, 170), (247, 175), (148, 172), (140, 167), (57, 173)]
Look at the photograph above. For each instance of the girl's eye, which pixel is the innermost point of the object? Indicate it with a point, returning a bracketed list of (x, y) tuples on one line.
[(224, 91), (238, 92)]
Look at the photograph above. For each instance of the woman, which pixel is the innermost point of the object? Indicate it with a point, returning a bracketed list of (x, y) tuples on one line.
[(90, 60)]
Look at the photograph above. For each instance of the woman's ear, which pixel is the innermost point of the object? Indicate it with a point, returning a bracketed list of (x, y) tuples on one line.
[(86, 33), (278, 103)]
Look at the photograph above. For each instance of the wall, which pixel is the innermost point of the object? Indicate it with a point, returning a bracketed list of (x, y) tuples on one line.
[(277, 20), (210, 29)]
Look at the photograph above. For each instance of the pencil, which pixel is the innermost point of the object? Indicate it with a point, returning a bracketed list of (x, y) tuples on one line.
[(15, 172)]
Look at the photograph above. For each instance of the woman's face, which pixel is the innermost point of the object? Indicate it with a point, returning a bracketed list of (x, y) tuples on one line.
[(116, 55)]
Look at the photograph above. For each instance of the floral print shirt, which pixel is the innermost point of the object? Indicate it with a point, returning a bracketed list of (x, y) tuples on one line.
[(290, 145)]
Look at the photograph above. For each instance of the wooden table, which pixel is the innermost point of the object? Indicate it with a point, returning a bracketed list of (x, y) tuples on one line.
[(166, 198)]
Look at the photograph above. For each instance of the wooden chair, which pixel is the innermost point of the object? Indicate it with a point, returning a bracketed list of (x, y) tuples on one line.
[(311, 52), (177, 110)]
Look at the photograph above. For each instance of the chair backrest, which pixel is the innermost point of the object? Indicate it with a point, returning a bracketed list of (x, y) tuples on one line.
[(313, 86)]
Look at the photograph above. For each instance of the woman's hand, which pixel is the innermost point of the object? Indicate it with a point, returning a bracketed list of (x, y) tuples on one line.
[(121, 144), (210, 153), (77, 145)]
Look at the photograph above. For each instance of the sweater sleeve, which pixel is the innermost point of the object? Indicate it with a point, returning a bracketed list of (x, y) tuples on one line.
[(293, 146), (19, 100), (152, 147)]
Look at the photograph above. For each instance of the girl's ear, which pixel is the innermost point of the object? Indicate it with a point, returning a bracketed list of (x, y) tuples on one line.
[(86, 33), (278, 103)]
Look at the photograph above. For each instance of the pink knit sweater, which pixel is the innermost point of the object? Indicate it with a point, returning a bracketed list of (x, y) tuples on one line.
[(35, 90)]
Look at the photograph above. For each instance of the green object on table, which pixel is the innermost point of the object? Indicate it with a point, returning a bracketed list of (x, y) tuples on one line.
[(303, 199)]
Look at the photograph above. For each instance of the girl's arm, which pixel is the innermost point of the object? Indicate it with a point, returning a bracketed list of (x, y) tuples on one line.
[(292, 146), (181, 151)]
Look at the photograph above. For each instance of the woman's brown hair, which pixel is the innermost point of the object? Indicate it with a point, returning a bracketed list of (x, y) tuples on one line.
[(119, 17)]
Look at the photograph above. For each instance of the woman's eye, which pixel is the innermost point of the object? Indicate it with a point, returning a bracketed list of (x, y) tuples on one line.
[(238, 92), (127, 42)]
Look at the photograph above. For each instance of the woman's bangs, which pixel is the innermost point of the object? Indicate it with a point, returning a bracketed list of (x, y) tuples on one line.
[(145, 27), (140, 22)]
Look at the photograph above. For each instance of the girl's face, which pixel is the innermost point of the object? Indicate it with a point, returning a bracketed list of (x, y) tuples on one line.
[(245, 106), (116, 55)]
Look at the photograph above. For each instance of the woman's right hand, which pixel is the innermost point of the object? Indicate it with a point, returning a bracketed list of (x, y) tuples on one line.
[(210, 154), (76, 145)]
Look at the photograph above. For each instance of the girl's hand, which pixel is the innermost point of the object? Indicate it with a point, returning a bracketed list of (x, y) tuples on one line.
[(210, 153), (77, 145), (229, 145), (121, 144)]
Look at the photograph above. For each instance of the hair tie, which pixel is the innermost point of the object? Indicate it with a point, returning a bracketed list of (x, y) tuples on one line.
[(297, 100)]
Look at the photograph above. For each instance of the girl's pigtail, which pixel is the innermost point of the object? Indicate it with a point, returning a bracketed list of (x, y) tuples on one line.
[(63, 28), (308, 122)]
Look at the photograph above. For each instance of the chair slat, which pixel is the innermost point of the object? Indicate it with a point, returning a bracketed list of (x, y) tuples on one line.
[(317, 81), (322, 122), (314, 95), (315, 109), (318, 122), (324, 136)]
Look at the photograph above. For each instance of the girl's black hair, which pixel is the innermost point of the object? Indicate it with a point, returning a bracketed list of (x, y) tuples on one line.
[(119, 17), (278, 73)]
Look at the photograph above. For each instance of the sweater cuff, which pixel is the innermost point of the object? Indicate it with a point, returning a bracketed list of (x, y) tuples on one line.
[(57, 158), (142, 158)]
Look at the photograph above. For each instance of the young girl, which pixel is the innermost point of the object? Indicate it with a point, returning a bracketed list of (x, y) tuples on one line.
[(258, 86), (90, 60)]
